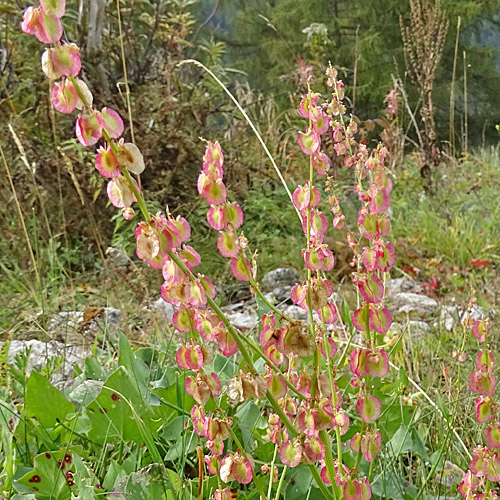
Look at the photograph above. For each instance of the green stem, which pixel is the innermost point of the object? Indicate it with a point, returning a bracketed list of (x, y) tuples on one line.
[(339, 444), (312, 328), (330, 465), (370, 471), (486, 488), (273, 367), (271, 472), (332, 385), (280, 484), (271, 306), (256, 479), (284, 419), (321, 485)]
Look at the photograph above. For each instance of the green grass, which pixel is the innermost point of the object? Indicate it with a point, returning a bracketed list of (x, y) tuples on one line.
[(456, 225)]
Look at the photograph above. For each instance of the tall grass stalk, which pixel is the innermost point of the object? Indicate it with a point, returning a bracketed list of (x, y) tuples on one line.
[(452, 93), (23, 225), (252, 126), (466, 124)]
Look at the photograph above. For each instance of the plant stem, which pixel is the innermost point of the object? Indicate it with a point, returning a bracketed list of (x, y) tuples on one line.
[(252, 126), (271, 306), (330, 464), (280, 484), (321, 485), (271, 472), (256, 478), (370, 471)]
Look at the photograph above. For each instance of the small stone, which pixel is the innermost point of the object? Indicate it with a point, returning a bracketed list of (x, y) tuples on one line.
[(282, 293), (398, 285), (409, 302), (117, 257), (413, 329), (82, 327), (41, 352), (296, 312), (452, 316), (163, 310), (283, 276), (244, 321), (233, 307)]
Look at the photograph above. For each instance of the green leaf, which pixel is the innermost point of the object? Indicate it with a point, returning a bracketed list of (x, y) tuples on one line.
[(394, 417), (441, 403), (249, 416), (418, 445), (225, 365), (393, 486), (86, 392), (44, 402), (403, 378), (47, 479), (302, 481), (346, 315), (401, 442), (115, 469), (175, 400), (93, 370), (262, 307), (135, 367), (83, 479), (173, 430), (185, 445), (116, 411), (151, 483)]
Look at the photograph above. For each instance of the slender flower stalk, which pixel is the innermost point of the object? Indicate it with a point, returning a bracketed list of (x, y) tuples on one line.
[(297, 379)]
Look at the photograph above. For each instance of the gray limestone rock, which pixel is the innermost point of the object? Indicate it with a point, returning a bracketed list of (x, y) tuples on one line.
[(244, 321), (81, 327), (296, 312), (398, 285), (163, 310), (40, 352), (413, 329), (283, 276), (409, 302)]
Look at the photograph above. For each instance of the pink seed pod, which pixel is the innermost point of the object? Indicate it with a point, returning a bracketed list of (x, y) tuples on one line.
[(369, 408), (64, 97), (309, 141), (291, 453)]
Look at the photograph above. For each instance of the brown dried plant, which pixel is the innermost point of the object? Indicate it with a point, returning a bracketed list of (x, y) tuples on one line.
[(423, 41)]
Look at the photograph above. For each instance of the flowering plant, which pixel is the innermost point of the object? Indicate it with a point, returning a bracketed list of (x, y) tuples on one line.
[(317, 383)]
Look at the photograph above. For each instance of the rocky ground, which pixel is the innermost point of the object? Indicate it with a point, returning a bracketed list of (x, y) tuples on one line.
[(74, 333)]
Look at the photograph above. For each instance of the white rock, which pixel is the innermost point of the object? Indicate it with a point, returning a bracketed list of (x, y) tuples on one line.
[(282, 293), (283, 276), (163, 310), (296, 312), (69, 323), (452, 316), (411, 329), (398, 285), (244, 321), (408, 302), (40, 352), (233, 307), (117, 257)]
